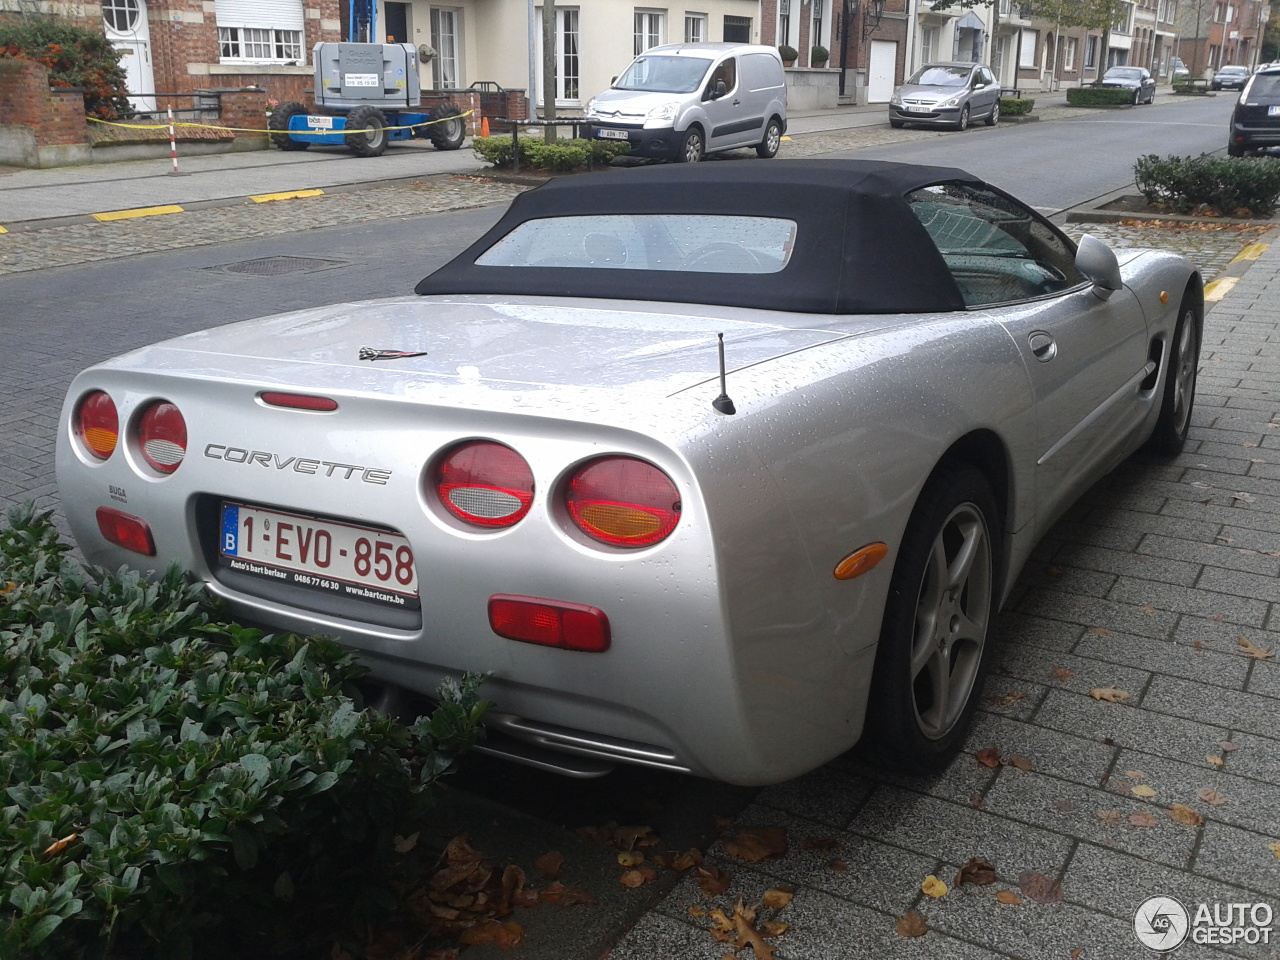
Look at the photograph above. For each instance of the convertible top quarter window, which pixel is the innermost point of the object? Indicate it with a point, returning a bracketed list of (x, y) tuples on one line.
[(997, 250), (679, 242)]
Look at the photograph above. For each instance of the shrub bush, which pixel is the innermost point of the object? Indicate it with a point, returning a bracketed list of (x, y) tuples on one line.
[(175, 783), (76, 57), (1015, 107), (1227, 184), (787, 52), (561, 156), (819, 54), (1098, 96)]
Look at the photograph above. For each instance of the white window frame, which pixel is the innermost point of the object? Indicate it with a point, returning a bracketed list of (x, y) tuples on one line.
[(446, 65), (1124, 23), (819, 25), (1069, 55), (929, 44), (650, 29), (695, 28), (260, 45), (1027, 52), (568, 54), (784, 21), (1091, 51)]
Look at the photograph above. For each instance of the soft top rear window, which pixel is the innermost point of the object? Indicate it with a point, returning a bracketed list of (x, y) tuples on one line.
[(679, 242)]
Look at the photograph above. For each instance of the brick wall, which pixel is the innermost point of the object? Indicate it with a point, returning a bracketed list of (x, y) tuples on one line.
[(56, 116)]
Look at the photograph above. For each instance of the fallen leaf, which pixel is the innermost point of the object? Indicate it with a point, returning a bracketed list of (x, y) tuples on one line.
[(1040, 888), (1110, 817), (933, 887), (1185, 815), (1147, 608), (1275, 848), (1135, 774), (821, 844), (1244, 497), (687, 860), (55, 848), (990, 757), (778, 897), (1100, 631), (976, 801), (1064, 806), (1228, 747), (632, 879), (1009, 897), (773, 928), (1140, 818), (505, 935), (630, 858), (1197, 644), (1212, 797), (1250, 650), (1062, 673), (754, 844), (1076, 953), (1214, 761), (7, 587), (1022, 763), (549, 864), (977, 871), (744, 919), (697, 910), (557, 894), (712, 880), (1009, 698), (911, 924), (1202, 485), (405, 844), (1142, 790), (1109, 694), (839, 866)]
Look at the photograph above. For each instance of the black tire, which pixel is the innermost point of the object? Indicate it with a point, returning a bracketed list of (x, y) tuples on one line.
[(1235, 151), (1151, 99), (963, 122), (692, 148), (279, 120), (1179, 396), (1134, 101), (934, 636), (367, 132), (448, 134), (897, 124), (994, 116), (768, 147)]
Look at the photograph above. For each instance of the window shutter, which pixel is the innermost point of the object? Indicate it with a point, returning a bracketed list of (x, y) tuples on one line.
[(264, 14)]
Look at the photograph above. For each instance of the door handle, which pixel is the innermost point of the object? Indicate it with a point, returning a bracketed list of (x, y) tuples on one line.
[(1042, 345), (736, 102)]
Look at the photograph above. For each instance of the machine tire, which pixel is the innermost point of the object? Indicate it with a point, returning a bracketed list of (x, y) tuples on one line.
[(933, 652), (994, 116), (366, 132), (768, 147), (1170, 434), (692, 147), (449, 134), (963, 122), (279, 121)]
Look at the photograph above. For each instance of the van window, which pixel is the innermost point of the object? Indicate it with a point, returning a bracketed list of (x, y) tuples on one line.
[(761, 71), (660, 74), (728, 72)]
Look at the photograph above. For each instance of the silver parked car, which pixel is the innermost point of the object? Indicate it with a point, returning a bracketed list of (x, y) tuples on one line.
[(712, 469), (947, 94), (1137, 80)]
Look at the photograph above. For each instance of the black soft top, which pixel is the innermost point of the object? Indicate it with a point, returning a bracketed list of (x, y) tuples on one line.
[(858, 246)]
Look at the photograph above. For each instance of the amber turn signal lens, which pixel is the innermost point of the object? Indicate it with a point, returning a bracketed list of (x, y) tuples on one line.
[(98, 425), (861, 561)]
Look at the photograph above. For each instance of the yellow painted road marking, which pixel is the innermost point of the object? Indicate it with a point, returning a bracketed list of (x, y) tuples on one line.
[(1217, 289), (140, 212), (786, 138), (1251, 252), (3, 230), (288, 195)]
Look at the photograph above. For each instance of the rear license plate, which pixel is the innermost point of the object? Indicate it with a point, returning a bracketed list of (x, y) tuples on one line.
[(914, 109), (1273, 111), (339, 558), (611, 134)]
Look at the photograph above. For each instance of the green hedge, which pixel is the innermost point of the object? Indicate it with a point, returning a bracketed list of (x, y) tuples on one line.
[(1098, 96), (1014, 107), (1230, 185), (179, 786), (76, 57), (561, 156)]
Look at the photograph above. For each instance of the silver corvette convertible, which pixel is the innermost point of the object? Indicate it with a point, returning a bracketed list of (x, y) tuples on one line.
[(714, 469)]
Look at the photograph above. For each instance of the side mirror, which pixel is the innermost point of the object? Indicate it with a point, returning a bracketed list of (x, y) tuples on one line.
[(1098, 263), (718, 90)]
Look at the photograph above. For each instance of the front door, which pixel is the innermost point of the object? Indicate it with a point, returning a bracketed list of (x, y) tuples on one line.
[(125, 24), (882, 71)]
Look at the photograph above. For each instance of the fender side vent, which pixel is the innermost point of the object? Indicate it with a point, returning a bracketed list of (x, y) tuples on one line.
[(1155, 356)]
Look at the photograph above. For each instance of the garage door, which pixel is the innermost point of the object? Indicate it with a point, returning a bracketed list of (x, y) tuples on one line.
[(880, 75)]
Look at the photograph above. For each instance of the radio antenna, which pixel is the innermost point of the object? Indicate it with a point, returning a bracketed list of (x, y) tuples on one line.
[(722, 403)]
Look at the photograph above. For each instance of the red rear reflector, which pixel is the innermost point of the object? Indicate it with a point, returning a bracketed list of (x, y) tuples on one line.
[(485, 484), (553, 623), (162, 434), (298, 401), (623, 501), (97, 424), (126, 531)]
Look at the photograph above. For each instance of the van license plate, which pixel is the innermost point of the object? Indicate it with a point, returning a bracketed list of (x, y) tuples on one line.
[(611, 134)]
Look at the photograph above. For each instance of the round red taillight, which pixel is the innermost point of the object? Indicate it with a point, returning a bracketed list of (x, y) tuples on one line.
[(97, 424), (485, 484), (162, 436), (623, 501)]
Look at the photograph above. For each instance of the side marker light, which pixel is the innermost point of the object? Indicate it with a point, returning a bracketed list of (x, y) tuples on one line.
[(126, 531), (552, 623), (861, 561)]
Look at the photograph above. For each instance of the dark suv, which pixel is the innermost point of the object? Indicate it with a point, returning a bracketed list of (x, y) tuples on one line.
[(1255, 123)]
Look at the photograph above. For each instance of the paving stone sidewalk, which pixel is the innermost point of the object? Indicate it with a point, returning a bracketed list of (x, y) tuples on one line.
[(1151, 585)]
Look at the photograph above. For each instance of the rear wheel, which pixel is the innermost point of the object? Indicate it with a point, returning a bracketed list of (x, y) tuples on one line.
[(994, 117), (932, 655), (768, 147), (449, 133), (692, 147), (963, 122), (279, 120), (1179, 395), (367, 132)]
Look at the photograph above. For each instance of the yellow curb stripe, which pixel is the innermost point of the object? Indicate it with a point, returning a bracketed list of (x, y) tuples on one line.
[(1251, 252), (1215, 290), (140, 212), (287, 195)]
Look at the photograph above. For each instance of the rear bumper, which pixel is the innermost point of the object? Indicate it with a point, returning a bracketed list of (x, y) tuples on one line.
[(1246, 135)]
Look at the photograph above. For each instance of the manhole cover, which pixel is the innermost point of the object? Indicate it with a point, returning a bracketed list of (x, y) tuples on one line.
[(277, 266)]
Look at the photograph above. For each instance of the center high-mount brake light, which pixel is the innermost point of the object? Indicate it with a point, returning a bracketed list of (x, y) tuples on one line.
[(485, 484), (98, 425), (623, 502), (162, 435), (297, 401)]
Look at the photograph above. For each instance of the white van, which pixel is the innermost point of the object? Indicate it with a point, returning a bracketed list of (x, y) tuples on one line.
[(685, 100)]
